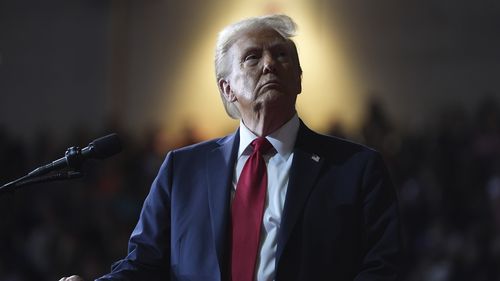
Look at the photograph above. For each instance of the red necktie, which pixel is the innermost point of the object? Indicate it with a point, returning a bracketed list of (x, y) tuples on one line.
[(247, 211)]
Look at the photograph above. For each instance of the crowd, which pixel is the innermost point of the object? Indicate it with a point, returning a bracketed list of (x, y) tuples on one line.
[(448, 180)]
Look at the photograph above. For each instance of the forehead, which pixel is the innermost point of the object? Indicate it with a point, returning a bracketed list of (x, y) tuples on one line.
[(259, 38)]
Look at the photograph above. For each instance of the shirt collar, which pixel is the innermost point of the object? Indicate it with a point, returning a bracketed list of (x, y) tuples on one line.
[(283, 139)]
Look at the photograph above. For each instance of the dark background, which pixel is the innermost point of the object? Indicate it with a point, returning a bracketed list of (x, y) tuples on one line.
[(71, 71)]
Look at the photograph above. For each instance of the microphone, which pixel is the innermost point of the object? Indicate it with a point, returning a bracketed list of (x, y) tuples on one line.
[(100, 148)]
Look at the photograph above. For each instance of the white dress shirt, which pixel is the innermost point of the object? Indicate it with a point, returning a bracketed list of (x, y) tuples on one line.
[(278, 163)]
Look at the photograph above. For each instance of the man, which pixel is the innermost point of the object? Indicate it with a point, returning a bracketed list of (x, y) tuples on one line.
[(274, 200)]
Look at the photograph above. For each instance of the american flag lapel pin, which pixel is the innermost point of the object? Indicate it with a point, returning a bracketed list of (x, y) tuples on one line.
[(315, 157)]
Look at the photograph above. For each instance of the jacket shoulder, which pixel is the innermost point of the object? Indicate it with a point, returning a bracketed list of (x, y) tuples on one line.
[(204, 145)]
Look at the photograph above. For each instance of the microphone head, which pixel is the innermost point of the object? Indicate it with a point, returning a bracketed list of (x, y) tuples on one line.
[(105, 147)]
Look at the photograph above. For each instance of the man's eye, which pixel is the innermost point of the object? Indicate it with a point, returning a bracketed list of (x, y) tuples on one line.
[(251, 57), (282, 54)]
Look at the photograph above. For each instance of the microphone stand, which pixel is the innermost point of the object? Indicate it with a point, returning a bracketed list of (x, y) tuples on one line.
[(72, 159), (29, 180)]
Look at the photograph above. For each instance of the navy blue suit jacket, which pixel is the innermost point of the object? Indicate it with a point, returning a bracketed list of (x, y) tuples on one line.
[(340, 219)]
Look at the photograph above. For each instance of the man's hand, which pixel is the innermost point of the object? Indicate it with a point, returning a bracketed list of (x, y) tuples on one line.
[(72, 278)]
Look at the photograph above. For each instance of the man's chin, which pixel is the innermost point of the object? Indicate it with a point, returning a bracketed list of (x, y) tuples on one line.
[(274, 98), (270, 95), (271, 92)]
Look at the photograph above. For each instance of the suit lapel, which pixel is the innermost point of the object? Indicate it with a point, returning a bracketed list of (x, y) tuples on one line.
[(303, 174), (219, 170)]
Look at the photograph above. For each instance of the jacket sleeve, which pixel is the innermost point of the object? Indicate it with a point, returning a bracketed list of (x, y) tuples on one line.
[(381, 238), (148, 255)]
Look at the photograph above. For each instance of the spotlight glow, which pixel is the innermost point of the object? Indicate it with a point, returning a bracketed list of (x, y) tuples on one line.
[(329, 90)]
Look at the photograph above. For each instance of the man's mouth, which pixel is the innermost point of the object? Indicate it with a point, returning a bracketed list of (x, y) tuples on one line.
[(271, 84)]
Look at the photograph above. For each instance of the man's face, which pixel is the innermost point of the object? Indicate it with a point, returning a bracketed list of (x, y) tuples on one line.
[(264, 74)]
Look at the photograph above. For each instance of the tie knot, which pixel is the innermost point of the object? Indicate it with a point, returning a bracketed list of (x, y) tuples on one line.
[(261, 145)]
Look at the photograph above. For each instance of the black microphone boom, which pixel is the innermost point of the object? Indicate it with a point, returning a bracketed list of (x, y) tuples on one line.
[(100, 148), (74, 157)]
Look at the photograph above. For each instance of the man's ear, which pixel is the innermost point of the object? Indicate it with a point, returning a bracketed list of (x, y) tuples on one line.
[(225, 90)]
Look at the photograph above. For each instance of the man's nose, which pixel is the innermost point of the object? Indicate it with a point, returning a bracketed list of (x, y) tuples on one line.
[(269, 64)]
